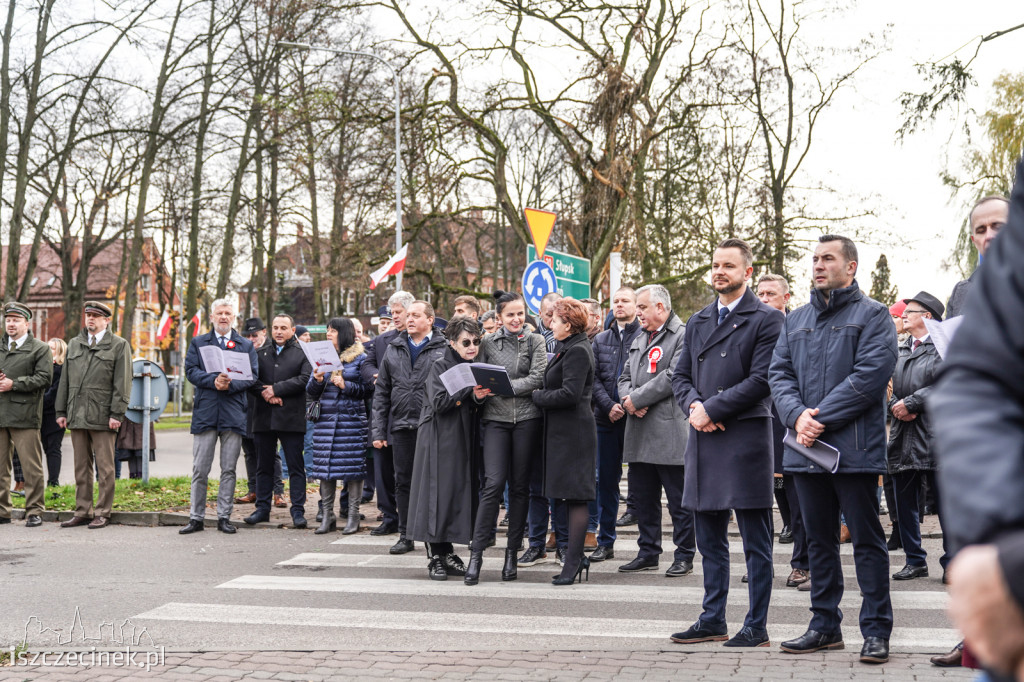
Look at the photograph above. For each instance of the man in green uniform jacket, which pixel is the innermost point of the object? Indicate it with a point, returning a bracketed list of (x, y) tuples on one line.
[(26, 369), (91, 401)]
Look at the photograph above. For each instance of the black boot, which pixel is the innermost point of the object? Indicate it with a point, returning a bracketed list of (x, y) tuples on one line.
[(509, 571), (476, 557)]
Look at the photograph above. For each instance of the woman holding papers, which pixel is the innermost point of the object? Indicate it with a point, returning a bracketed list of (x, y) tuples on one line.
[(570, 432), (511, 433), (339, 435), (442, 497)]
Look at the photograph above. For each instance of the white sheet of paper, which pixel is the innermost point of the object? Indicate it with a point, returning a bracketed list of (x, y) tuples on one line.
[(941, 333), (213, 358), (458, 377), (322, 355), (237, 366)]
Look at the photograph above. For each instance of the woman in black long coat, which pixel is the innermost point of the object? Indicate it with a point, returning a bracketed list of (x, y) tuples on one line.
[(443, 491), (570, 432), (51, 434)]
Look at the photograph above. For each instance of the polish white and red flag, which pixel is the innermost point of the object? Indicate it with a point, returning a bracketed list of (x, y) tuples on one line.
[(164, 328), (394, 266)]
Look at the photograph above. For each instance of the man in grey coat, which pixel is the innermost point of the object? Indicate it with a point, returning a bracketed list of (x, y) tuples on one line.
[(656, 432)]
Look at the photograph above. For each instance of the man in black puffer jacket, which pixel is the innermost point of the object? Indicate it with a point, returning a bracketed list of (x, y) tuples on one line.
[(611, 348)]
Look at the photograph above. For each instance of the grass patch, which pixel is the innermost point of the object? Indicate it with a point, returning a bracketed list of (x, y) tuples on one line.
[(172, 423), (132, 495)]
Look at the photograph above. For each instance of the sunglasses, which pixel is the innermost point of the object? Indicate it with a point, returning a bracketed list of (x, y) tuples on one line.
[(466, 343)]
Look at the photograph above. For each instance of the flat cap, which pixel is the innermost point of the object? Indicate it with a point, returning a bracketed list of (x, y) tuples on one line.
[(252, 325), (97, 308), (15, 308)]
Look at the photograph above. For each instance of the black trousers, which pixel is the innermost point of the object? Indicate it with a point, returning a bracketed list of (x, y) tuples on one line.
[(249, 451), (51, 448), (509, 450), (646, 483), (266, 455), (822, 496), (403, 447), (384, 473), (799, 559)]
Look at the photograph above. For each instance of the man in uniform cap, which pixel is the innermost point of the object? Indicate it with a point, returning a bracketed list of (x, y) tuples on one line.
[(91, 401), (384, 319), (26, 369)]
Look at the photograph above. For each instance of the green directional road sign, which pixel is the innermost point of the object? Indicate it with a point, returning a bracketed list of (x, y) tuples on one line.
[(571, 272), (316, 328)]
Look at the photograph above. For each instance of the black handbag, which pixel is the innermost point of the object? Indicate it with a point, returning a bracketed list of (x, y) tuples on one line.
[(313, 411)]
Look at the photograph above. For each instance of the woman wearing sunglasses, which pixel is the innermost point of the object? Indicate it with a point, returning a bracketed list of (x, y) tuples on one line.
[(442, 494), (512, 431)]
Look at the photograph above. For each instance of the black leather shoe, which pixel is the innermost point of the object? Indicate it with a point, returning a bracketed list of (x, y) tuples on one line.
[(33, 521), (224, 525), (640, 564), (533, 555), (257, 517), (909, 572), (602, 553), (476, 559), (560, 556), (453, 565), (745, 578), (299, 522), (894, 542), (7, 519), (749, 637), (679, 568), (436, 569), (699, 632), (786, 536), (626, 519), (509, 571), (193, 526), (401, 547), (875, 650), (385, 529), (812, 641)]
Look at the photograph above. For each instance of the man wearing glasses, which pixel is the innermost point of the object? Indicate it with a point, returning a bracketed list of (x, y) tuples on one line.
[(910, 452)]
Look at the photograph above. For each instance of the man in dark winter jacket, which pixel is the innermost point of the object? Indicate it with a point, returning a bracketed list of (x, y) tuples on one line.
[(611, 349), (280, 416), (384, 458), (398, 397), (978, 419), (910, 439), (219, 413), (828, 377), (987, 217)]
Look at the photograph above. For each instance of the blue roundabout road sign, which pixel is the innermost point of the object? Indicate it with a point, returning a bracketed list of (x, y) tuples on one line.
[(538, 282)]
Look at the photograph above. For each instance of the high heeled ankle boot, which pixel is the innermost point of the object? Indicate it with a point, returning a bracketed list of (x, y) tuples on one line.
[(355, 491), (476, 558), (510, 571), (329, 522)]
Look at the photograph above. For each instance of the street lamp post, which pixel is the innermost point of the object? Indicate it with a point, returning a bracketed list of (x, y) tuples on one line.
[(398, 131)]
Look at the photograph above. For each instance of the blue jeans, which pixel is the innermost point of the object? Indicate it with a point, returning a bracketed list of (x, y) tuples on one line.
[(610, 440)]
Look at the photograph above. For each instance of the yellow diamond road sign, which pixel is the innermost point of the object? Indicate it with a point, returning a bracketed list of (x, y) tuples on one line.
[(540, 223)]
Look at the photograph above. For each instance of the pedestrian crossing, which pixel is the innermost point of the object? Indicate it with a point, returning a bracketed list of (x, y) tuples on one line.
[(351, 584)]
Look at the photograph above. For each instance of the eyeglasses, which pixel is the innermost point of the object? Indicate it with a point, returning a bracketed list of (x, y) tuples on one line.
[(919, 312), (466, 343)]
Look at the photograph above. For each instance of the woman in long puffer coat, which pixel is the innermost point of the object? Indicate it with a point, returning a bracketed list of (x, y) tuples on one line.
[(339, 434)]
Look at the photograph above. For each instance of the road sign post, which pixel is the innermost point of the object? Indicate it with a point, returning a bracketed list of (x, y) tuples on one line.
[(538, 281), (572, 273)]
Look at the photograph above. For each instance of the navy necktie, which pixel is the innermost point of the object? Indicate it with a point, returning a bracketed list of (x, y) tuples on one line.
[(222, 345), (722, 314)]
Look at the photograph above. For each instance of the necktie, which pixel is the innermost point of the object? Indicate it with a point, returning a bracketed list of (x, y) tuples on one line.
[(722, 314), (278, 349), (917, 342), (92, 340), (12, 346), (222, 346), (650, 339)]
